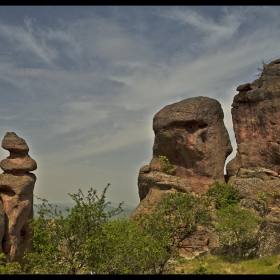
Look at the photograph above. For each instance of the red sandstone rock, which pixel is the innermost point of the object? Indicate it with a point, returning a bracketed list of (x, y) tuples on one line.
[(192, 135), (16, 197), (255, 168), (255, 114), (2, 223), (13, 143), (18, 163)]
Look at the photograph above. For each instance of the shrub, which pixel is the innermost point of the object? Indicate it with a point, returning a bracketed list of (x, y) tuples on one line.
[(223, 195), (166, 166)]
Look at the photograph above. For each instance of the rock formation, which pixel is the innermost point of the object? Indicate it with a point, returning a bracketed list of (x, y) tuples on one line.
[(192, 135), (256, 166), (16, 197)]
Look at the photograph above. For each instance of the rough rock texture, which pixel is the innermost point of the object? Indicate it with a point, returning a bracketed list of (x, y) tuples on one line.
[(16, 197), (256, 166), (192, 135)]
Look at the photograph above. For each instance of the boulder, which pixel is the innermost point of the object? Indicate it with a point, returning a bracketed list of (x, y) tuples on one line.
[(14, 144), (18, 163)]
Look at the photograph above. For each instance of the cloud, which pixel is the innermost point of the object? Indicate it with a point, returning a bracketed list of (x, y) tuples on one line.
[(214, 30), (80, 91), (40, 44)]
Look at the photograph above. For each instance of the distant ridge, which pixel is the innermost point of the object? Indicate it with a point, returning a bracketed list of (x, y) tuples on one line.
[(127, 209)]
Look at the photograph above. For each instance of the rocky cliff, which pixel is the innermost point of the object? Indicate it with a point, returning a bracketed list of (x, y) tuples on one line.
[(192, 135), (255, 168)]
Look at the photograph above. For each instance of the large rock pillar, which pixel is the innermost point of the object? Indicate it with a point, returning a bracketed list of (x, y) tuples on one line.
[(16, 198)]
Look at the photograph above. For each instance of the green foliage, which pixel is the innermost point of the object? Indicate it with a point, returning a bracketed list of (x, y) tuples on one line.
[(125, 248), (223, 195), (7, 267), (170, 224), (89, 241), (215, 264), (202, 270), (237, 229), (266, 200), (166, 166), (69, 245)]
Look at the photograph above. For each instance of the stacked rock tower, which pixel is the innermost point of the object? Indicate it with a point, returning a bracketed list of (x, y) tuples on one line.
[(16, 197)]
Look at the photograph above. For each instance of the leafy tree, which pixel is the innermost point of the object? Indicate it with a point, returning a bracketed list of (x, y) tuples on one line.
[(237, 230), (125, 248), (170, 224), (87, 241), (69, 245)]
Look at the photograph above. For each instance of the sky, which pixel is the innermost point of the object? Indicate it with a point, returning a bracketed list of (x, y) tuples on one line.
[(81, 84)]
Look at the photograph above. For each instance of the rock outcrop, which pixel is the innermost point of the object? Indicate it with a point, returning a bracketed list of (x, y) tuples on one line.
[(193, 137), (255, 168), (16, 197)]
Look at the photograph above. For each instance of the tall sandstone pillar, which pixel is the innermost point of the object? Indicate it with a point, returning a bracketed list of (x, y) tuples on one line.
[(16, 197), (192, 135), (255, 169)]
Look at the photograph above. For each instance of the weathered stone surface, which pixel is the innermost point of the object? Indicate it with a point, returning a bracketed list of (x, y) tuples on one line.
[(160, 181), (255, 168), (18, 209), (2, 223), (161, 184), (255, 111), (16, 197), (19, 184), (14, 144), (17, 163), (192, 135)]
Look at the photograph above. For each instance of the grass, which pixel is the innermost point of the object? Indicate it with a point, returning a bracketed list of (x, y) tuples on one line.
[(210, 264)]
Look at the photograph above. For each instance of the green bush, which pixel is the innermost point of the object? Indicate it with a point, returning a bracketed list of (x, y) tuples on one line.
[(171, 224), (166, 166), (7, 267), (223, 195), (237, 230)]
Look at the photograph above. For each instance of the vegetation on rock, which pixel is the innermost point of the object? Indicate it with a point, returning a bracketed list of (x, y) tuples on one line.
[(166, 166)]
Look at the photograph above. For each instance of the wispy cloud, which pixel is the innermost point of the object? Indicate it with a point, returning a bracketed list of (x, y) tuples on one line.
[(37, 42), (86, 88), (214, 30)]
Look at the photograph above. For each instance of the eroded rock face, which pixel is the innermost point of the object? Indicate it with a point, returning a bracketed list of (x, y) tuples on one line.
[(192, 135), (255, 168), (255, 114), (16, 197)]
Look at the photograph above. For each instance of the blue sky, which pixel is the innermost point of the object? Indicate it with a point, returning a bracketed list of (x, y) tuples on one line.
[(81, 84)]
